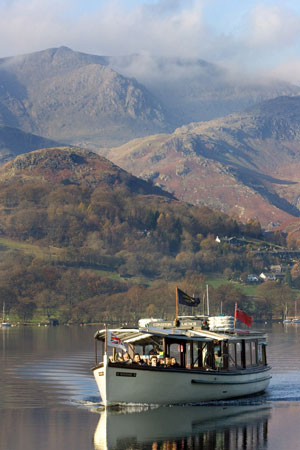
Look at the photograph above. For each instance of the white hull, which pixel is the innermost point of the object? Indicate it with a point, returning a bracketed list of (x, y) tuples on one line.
[(129, 385)]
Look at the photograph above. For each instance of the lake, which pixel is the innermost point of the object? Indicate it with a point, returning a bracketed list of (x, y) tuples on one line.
[(49, 401)]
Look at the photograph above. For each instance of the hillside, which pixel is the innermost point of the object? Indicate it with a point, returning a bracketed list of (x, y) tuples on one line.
[(243, 164), (75, 98), (83, 237)]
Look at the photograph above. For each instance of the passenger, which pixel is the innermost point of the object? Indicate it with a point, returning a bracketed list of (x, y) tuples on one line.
[(167, 362), (174, 363), (154, 361), (154, 350), (126, 358), (137, 360), (205, 325), (120, 357), (218, 356)]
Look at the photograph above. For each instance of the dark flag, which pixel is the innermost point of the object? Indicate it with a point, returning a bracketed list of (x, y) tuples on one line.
[(187, 300)]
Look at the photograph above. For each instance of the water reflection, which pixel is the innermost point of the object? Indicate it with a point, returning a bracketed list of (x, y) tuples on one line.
[(231, 427)]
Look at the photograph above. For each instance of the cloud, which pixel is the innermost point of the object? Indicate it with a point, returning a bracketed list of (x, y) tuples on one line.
[(273, 26), (253, 34), (289, 70)]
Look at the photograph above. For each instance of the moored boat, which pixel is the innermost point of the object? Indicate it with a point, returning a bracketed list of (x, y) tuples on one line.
[(4, 323), (211, 365)]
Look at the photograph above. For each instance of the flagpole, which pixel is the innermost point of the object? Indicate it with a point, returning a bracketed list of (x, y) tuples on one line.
[(235, 308), (176, 318), (105, 340), (207, 300)]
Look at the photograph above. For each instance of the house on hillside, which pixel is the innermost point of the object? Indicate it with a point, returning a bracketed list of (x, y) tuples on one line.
[(237, 242), (271, 276), (278, 268), (251, 278)]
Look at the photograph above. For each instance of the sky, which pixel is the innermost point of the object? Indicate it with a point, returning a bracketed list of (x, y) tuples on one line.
[(252, 36)]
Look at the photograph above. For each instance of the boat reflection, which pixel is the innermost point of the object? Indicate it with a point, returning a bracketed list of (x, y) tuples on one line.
[(226, 427)]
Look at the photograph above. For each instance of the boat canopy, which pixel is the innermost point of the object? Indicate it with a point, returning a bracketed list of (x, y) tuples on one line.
[(140, 336), (148, 336)]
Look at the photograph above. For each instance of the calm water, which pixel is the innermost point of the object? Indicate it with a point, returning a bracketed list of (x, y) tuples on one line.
[(49, 401)]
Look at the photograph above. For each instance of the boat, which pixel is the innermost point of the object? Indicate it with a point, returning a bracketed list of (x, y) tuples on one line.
[(216, 363), (4, 323)]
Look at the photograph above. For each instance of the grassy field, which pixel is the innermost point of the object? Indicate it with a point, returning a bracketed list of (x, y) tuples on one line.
[(45, 253), (217, 280)]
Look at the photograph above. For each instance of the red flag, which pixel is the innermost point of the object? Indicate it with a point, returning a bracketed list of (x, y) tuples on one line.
[(243, 317)]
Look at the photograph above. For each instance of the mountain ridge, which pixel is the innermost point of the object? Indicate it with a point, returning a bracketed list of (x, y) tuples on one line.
[(98, 101), (244, 164)]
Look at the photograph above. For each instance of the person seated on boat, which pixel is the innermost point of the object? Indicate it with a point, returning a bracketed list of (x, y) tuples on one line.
[(137, 360), (153, 361), (174, 363), (154, 350), (218, 356), (126, 358), (120, 358), (205, 325), (167, 361)]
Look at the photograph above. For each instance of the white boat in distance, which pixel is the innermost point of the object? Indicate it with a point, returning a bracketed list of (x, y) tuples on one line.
[(4, 323), (212, 365)]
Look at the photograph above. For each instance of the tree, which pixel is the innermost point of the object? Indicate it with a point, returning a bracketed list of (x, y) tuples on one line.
[(273, 298), (25, 309), (288, 277)]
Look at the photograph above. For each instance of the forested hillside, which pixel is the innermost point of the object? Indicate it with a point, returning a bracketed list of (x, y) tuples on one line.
[(83, 239)]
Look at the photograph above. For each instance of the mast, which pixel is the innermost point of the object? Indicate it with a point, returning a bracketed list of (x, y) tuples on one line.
[(207, 299), (235, 309), (176, 318)]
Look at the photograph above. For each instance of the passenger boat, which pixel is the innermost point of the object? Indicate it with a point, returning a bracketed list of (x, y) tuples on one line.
[(215, 362)]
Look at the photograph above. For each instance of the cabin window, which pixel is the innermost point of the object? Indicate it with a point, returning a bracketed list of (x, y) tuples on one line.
[(197, 354), (248, 354), (232, 355), (261, 354), (253, 353), (238, 354)]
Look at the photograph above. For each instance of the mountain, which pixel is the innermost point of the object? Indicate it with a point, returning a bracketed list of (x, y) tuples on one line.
[(14, 141), (195, 90), (98, 101), (75, 98), (243, 164)]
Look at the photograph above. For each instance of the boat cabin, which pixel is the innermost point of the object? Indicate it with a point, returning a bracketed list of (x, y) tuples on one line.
[(193, 348)]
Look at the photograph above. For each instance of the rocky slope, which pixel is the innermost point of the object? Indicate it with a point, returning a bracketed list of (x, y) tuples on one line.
[(244, 164)]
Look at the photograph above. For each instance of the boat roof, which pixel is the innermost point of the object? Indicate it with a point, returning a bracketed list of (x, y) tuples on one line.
[(152, 335)]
